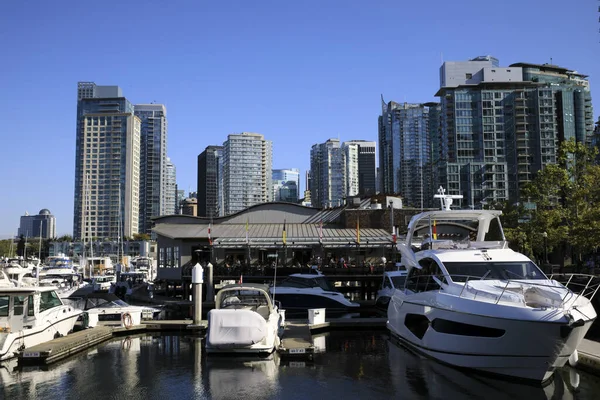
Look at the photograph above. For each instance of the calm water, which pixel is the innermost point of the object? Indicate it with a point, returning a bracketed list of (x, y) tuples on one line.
[(354, 365)]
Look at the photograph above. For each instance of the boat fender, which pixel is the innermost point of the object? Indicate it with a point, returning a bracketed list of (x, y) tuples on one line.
[(127, 320), (574, 359)]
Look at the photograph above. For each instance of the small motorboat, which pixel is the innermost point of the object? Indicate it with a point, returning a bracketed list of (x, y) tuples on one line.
[(244, 320), (30, 315), (108, 309)]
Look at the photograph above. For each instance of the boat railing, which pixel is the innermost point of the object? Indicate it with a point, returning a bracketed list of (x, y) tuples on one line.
[(581, 285), (585, 285)]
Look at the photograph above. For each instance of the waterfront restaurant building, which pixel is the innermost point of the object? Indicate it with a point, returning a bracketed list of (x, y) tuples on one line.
[(255, 238)]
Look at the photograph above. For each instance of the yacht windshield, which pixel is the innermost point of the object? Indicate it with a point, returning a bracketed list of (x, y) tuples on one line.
[(105, 303), (398, 281), (461, 271), (308, 282)]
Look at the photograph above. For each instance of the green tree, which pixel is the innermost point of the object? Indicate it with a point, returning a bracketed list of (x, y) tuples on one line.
[(567, 198), (141, 236)]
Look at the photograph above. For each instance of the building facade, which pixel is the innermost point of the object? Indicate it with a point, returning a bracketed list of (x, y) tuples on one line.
[(210, 182), (247, 166), (286, 184), (170, 189), (327, 174), (107, 164), (500, 125), (405, 151), (367, 178), (153, 163), (43, 224)]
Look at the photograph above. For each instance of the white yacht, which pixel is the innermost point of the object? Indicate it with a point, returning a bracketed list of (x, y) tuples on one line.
[(133, 285), (244, 320), (300, 292), (31, 315), (106, 308), (58, 265), (392, 280), (470, 301)]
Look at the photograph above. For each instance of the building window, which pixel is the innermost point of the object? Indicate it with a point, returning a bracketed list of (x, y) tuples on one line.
[(468, 76)]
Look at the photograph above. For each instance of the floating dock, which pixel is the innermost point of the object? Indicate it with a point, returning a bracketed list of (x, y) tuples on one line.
[(296, 341)]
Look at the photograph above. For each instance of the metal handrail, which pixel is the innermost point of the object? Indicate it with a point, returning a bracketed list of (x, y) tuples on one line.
[(585, 292)]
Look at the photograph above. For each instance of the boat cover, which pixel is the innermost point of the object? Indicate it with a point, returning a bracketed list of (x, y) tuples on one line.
[(235, 327)]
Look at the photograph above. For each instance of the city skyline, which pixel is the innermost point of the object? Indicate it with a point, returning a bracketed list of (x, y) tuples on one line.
[(307, 73)]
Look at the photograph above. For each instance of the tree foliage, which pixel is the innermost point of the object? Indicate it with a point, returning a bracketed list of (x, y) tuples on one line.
[(567, 199)]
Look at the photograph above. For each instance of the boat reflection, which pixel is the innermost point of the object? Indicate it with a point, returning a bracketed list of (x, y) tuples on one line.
[(237, 377), (413, 373)]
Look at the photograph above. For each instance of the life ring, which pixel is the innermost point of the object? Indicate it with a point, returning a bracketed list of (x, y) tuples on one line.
[(127, 320)]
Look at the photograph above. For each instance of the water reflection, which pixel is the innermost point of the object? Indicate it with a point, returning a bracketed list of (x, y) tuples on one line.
[(431, 379), (347, 364)]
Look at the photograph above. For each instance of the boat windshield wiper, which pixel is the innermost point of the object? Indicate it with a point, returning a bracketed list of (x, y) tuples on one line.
[(485, 275)]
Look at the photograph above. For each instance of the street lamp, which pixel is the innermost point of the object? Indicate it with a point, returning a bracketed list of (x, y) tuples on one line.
[(545, 236)]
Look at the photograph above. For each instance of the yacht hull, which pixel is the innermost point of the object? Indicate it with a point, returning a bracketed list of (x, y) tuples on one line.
[(59, 322), (529, 348)]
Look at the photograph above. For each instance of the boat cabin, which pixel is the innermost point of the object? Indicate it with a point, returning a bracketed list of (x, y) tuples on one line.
[(20, 306), (253, 297)]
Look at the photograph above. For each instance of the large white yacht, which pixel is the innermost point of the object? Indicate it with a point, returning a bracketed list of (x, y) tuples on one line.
[(31, 315), (470, 301)]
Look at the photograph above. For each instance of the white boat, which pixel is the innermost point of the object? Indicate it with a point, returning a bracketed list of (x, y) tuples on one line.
[(107, 308), (102, 283), (58, 265), (470, 301), (31, 315), (392, 280), (133, 285), (301, 292), (244, 320)]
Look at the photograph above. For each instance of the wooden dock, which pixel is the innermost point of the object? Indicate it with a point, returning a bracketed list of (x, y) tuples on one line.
[(296, 341), (589, 356), (63, 347)]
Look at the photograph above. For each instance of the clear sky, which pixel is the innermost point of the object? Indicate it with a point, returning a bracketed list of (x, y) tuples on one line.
[(298, 72)]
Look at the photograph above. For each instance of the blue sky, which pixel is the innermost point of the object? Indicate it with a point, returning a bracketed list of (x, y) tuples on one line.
[(297, 72)]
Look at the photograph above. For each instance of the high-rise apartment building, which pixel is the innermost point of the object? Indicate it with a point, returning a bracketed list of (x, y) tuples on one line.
[(405, 151), (500, 125), (153, 160), (247, 166), (210, 182), (367, 180), (107, 164), (43, 224), (170, 189), (327, 174), (286, 184)]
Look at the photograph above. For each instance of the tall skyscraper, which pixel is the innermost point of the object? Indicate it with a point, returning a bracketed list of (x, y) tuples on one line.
[(327, 174), (210, 182), (500, 125), (153, 159), (286, 184), (405, 151), (170, 189), (43, 224), (107, 164), (366, 166), (247, 165)]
